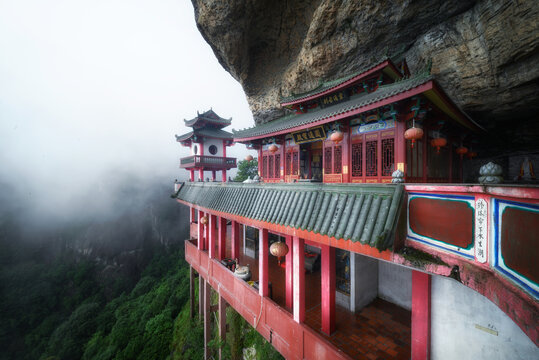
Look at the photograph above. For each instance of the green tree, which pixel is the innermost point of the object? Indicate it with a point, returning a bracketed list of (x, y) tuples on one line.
[(247, 169)]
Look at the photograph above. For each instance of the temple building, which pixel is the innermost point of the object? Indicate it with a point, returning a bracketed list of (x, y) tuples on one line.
[(380, 250), (208, 142)]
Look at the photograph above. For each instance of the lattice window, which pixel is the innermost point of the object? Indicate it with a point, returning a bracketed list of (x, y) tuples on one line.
[(270, 166), (264, 166), (327, 160), (295, 163), (288, 163), (388, 156), (278, 165), (337, 158), (357, 160), (371, 166)]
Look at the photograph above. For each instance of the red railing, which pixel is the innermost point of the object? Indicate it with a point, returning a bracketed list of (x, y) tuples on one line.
[(207, 162), (293, 340)]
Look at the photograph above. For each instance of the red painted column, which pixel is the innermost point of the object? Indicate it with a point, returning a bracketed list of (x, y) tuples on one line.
[(299, 278), (200, 240), (400, 146), (328, 289), (420, 315), (212, 238), (213, 175), (235, 236), (346, 166), (263, 253), (201, 174), (192, 175), (207, 233), (222, 238), (289, 274), (223, 176)]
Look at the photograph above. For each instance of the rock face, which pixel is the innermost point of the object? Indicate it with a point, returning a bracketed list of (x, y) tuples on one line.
[(485, 54)]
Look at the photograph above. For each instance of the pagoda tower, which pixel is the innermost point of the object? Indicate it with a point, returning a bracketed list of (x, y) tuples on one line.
[(208, 143)]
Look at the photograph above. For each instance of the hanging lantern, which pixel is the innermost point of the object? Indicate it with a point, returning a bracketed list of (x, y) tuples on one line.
[(413, 134), (249, 158), (279, 249), (471, 154), (438, 143), (461, 150), (204, 220), (273, 148), (337, 136)]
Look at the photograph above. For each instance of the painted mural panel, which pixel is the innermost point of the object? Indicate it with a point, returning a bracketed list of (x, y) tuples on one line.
[(445, 222), (516, 242)]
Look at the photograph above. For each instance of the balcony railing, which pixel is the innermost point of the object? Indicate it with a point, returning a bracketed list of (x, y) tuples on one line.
[(292, 339), (203, 161)]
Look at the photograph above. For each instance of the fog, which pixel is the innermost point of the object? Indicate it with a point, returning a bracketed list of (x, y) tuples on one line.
[(91, 96)]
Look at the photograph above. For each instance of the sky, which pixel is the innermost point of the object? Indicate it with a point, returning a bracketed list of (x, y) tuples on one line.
[(94, 91)]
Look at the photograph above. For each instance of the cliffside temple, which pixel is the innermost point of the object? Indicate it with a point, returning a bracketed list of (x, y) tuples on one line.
[(382, 251)]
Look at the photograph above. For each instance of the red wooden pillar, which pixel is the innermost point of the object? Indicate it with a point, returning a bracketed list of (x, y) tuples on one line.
[(212, 238), (200, 241), (235, 235), (346, 156), (328, 289), (213, 175), (299, 279), (289, 274), (400, 146), (192, 175), (222, 324), (207, 315), (420, 315), (207, 233), (263, 253), (260, 162), (223, 176), (222, 238), (201, 174)]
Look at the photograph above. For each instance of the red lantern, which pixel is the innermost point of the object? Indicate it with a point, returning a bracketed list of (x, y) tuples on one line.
[(279, 249), (438, 143), (413, 134), (273, 148), (461, 150), (204, 220), (472, 154), (336, 137), (249, 158)]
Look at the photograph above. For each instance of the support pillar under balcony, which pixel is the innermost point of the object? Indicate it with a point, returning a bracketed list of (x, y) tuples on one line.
[(192, 175), (201, 174), (200, 297), (191, 292), (213, 175), (299, 278), (207, 319), (222, 323), (223, 175)]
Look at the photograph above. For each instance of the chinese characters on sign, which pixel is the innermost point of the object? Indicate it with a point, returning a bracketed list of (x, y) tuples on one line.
[(312, 134), (333, 99), (481, 213)]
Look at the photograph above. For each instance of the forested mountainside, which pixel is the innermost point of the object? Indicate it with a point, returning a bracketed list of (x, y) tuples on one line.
[(114, 287)]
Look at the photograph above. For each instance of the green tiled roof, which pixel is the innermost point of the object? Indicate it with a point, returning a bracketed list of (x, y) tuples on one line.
[(209, 132), (355, 102), (323, 86), (357, 212), (209, 116)]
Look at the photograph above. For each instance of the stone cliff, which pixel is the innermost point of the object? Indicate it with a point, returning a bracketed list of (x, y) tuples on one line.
[(485, 53)]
